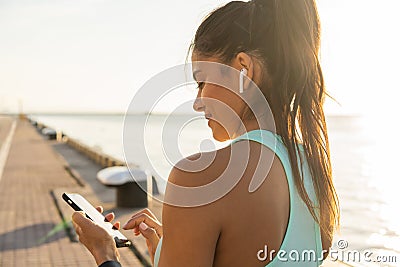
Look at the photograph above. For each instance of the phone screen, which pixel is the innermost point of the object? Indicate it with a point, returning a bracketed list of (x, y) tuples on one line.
[(79, 203)]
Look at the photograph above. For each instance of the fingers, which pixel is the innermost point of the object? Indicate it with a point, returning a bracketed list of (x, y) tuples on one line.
[(80, 222), (136, 231), (148, 212), (94, 237), (149, 233), (138, 218), (78, 230), (109, 217), (78, 217), (116, 226)]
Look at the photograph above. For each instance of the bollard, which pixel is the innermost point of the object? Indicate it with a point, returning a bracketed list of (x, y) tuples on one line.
[(59, 136)]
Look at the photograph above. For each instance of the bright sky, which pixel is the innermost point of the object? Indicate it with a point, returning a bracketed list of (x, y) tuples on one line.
[(92, 55)]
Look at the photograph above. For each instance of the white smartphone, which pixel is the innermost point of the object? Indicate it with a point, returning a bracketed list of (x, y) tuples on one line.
[(79, 203)]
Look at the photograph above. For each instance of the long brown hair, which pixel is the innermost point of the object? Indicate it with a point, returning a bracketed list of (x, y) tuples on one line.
[(284, 35)]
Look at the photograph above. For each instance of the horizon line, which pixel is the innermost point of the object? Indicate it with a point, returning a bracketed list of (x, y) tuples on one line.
[(93, 113)]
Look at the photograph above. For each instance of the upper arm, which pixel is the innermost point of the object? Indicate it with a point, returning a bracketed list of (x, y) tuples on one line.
[(190, 234)]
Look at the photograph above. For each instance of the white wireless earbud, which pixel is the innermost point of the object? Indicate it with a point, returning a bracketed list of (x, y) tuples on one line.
[(243, 72)]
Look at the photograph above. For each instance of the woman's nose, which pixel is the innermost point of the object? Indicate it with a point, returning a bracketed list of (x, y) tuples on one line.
[(198, 104)]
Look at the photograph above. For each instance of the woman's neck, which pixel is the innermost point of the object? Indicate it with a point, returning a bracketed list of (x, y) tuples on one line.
[(255, 124)]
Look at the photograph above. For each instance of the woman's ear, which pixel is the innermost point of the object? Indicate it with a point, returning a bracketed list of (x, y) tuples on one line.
[(245, 61)]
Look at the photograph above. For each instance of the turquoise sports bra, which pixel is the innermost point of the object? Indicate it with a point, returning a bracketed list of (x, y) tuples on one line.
[(302, 245)]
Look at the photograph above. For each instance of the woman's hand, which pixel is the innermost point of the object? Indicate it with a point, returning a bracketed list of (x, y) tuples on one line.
[(95, 238), (145, 222)]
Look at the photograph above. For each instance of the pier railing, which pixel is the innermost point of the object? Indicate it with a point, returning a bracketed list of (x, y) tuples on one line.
[(100, 158), (97, 156)]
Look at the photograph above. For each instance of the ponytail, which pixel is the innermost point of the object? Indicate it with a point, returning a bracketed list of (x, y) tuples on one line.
[(297, 73), (285, 36)]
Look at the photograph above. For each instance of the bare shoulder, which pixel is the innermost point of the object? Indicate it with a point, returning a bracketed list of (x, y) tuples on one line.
[(199, 168), (206, 167), (219, 170)]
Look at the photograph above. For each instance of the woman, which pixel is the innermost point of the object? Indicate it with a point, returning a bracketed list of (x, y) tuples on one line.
[(275, 45)]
